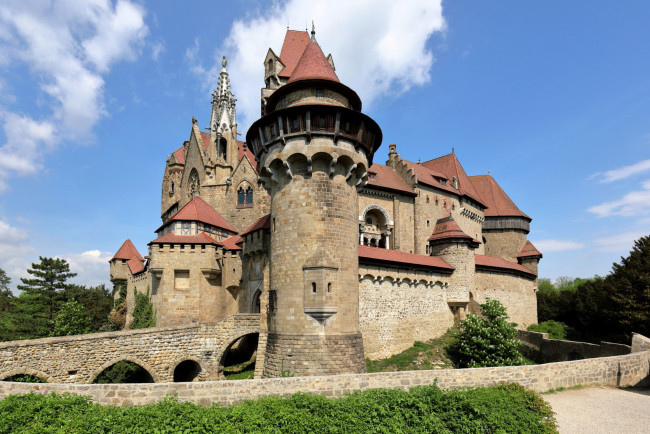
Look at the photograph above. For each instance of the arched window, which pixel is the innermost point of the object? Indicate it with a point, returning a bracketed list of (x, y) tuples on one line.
[(241, 196), (195, 185), (249, 196), (171, 187)]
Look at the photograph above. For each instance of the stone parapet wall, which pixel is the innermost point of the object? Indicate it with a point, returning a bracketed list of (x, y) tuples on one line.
[(544, 350), (628, 370), (515, 292), (79, 359), (640, 343)]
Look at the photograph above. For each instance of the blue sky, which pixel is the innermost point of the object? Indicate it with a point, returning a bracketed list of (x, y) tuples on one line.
[(553, 98)]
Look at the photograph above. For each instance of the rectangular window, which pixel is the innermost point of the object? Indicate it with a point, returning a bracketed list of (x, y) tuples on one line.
[(182, 280), (320, 93)]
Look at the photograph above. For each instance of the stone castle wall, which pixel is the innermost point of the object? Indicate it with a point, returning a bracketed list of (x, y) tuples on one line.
[(398, 307), (516, 293), (189, 288), (504, 243), (627, 370)]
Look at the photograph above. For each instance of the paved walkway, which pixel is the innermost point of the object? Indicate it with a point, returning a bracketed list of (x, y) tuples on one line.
[(601, 410)]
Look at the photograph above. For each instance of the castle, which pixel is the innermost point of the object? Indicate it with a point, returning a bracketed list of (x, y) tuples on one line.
[(343, 258)]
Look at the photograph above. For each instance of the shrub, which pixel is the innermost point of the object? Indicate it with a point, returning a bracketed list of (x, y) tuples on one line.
[(489, 340), (555, 329), (504, 408)]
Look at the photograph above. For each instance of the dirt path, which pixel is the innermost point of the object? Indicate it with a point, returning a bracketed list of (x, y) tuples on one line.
[(601, 410)]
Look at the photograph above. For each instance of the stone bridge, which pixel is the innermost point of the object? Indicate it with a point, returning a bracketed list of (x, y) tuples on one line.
[(160, 351)]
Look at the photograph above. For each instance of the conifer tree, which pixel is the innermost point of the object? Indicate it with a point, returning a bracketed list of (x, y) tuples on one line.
[(43, 293), (5, 293)]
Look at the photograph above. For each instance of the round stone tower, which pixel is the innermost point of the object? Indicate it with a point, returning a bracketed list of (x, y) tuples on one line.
[(314, 147)]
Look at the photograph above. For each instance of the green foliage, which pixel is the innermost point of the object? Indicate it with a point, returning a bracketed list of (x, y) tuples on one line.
[(431, 354), (25, 378), (143, 314), (603, 308), (555, 330), (71, 320), (96, 303), (504, 408), (124, 372), (50, 278), (5, 293), (489, 340)]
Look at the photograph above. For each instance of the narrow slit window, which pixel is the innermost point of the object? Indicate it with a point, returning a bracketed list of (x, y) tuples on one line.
[(313, 287)]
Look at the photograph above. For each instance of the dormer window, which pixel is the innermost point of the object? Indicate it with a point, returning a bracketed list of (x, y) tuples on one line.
[(372, 175), (443, 181)]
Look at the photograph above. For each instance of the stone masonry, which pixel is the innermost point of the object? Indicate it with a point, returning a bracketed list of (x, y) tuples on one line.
[(79, 359)]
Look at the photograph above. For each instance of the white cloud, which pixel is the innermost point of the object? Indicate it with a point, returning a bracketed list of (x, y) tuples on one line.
[(633, 204), (91, 267), (379, 47), (67, 46), (15, 251), (623, 241), (557, 245), (622, 172)]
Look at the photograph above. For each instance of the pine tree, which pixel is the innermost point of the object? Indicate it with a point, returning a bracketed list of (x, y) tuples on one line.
[(5, 292), (42, 294)]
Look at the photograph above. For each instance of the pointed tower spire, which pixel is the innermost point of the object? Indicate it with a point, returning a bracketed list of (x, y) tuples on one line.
[(223, 118), (313, 31)]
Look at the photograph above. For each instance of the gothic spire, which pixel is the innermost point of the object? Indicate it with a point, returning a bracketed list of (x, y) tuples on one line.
[(223, 104)]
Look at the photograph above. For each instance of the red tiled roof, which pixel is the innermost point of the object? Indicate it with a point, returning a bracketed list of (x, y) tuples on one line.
[(135, 265), (180, 155), (130, 254), (260, 223), (249, 154), (387, 178), (450, 166), (127, 251), (501, 264), (446, 229), (232, 243), (497, 201), (205, 138), (293, 46), (313, 65), (397, 257), (172, 238), (200, 211), (430, 177), (529, 250)]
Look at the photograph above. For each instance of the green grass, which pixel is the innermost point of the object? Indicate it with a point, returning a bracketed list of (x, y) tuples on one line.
[(431, 354), (241, 371), (426, 409)]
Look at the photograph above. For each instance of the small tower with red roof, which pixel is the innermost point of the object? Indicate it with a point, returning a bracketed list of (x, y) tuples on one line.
[(314, 147), (450, 243)]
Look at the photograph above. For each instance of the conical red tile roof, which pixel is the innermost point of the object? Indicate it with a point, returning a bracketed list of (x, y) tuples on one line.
[(497, 201), (199, 211), (128, 251), (293, 46), (446, 229), (313, 65), (130, 254), (529, 251)]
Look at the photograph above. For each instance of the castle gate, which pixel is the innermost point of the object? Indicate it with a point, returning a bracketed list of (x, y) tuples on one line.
[(80, 359)]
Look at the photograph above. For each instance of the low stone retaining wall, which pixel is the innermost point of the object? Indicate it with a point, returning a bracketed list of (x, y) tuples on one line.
[(640, 343), (628, 370), (540, 348)]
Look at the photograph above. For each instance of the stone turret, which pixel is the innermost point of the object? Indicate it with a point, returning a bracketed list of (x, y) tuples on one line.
[(457, 248), (314, 147)]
